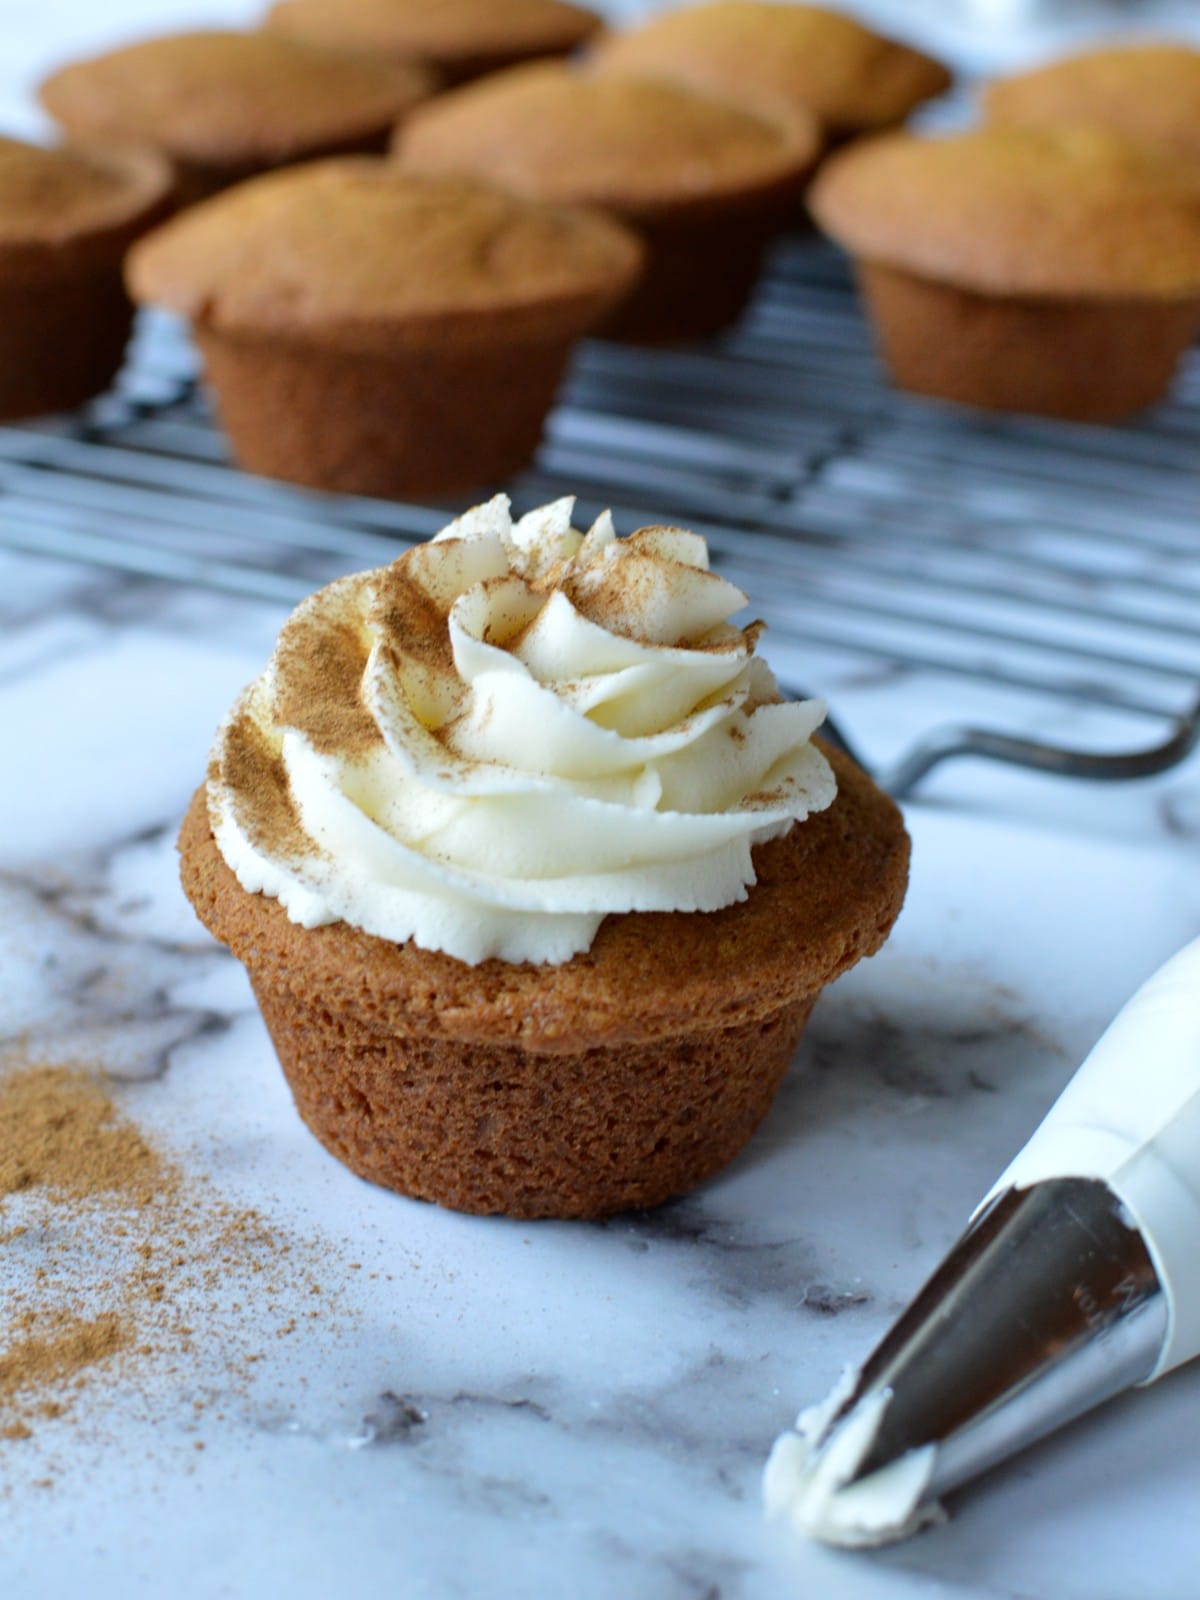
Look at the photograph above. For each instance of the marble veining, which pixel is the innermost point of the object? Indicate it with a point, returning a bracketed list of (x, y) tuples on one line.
[(88, 979), (485, 1407), (474, 1407)]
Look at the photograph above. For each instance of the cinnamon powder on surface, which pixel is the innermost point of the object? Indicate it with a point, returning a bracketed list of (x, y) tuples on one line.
[(118, 1264), (63, 1349), (60, 1131)]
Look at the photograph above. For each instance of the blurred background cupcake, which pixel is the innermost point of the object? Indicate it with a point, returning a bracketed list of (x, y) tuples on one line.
[(781, 60), (462, 39), (380, 332), (67, 217), (705, 183), (1147, 91), (1053, 269), (223, 106)]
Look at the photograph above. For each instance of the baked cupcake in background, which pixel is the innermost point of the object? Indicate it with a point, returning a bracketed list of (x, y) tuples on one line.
[(1151, 92), (225, 106), (378, 332), (462, 39), (535, 877), (705, 184), (67, 217), (1050, 270), (781, 60)]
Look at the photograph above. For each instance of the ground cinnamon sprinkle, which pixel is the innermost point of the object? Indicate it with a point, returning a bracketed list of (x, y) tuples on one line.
[(61, 1352), (112, 1256), (59, 1130)]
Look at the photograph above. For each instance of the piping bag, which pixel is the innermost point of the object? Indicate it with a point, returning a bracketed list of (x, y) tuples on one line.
[(1078, 1277)]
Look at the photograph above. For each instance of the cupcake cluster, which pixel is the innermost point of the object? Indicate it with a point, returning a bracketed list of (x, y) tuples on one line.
[(1047, 261), (470, 187)]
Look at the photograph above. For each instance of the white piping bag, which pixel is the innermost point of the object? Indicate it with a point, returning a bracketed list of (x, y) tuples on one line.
[(1077, 1278)]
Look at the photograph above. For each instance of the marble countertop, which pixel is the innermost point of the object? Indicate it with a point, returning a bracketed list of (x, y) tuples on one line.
[(500, 1408), (488, 1408)]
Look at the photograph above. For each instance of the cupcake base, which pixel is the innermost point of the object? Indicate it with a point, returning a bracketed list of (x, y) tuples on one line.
[(62, 341), (698, 278), (483, 1128), (420, 421), (1086, 361), (617, 1079)]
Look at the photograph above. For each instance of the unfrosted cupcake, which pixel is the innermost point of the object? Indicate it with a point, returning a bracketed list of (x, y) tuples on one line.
[(67, 217), (704, 183), (1149, 92), (781, 60), (535, 877), (377, 332), (462, 39), (1051, 270), (224, 106)]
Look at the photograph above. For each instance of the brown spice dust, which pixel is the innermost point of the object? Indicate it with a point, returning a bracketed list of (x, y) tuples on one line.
[(43, 1358), (125, 1263), (59, 1130)]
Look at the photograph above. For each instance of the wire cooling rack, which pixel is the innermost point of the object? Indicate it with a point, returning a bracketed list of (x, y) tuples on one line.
[(1056, 563)]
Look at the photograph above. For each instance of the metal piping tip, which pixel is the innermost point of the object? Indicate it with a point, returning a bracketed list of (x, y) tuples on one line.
[(1046, 1307)]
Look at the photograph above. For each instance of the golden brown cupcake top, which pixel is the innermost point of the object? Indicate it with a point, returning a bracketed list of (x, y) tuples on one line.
[(781, 58), (456, 35), (1064, 211), (231, 99), (354, 251), (556, 134), (1150, 92), (54, 202)]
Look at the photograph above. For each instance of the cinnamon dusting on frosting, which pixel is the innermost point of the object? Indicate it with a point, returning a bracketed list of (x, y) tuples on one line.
[(319, 668), (407, 616), (249, 762), (510, 732)]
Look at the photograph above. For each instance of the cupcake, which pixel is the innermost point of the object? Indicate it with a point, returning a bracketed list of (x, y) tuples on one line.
[(1045, 270), (781, 60), (704, 183), (67, 217), (462, 39), (379, 332), (1149, 92), (535, 877), (224, 106)]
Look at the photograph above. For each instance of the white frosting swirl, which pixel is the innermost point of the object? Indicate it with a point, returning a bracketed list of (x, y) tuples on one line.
[(511, 732)]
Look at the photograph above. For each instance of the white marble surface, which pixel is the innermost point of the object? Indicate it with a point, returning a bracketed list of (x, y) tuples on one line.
[(574, 1410), (594, 1401)]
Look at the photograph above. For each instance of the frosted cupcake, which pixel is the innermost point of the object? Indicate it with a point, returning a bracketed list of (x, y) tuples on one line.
[(535, 876)]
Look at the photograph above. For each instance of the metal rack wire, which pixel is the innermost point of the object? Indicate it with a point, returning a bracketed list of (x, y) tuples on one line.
[(1058, 562)]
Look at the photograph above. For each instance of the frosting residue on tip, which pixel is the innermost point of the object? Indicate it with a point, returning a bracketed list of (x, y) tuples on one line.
[(511, 732), (811, 1476)]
